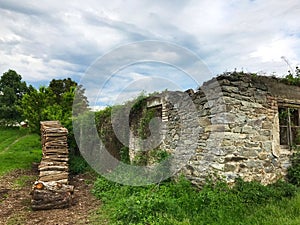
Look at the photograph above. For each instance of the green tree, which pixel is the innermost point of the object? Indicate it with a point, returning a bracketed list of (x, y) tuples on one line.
[(34, 106), (12, 89), (60, 87), (54, 103)]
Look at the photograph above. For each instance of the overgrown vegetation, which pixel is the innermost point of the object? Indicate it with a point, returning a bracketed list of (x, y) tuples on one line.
[(293, 78), (293, 175), (12, 90), (170, 202), (78, 165), (19, 102), (180, 203)]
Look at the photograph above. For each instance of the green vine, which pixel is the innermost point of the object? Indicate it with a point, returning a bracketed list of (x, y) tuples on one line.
[(293, 79), (293, 175), (143, 129)]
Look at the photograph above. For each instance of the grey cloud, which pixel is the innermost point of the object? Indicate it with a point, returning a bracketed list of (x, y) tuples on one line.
[(53, 38), (24, 8)]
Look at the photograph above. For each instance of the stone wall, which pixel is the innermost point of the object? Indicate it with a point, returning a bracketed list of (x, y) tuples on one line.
[(237, 128)]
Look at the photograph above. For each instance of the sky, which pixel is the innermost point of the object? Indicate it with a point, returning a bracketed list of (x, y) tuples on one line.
[(44, 40)]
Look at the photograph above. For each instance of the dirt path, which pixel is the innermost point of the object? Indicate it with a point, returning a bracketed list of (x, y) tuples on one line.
[(7, 148), (15, 202)]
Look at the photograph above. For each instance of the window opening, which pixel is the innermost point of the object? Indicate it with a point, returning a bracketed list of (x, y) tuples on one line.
[(289, 126)]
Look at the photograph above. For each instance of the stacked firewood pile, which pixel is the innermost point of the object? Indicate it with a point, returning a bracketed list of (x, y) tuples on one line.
[(52, 189)]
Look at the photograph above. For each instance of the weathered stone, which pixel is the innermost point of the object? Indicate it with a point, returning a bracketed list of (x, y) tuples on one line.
[(217, 166), (235, 158), (267, 146), (233, 136), (265, 132), (226, 143), (267, 125), (224, 118), (252, 164), (218, 151), (229, 167), (230, 89), (263, 155), (217, 128), (248, 130), (252, 144), (249, 152), (176, 137), (204, 121), (238, 133), (236, 129)]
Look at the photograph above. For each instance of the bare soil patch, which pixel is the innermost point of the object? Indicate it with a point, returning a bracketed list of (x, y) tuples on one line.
[(15, 207)]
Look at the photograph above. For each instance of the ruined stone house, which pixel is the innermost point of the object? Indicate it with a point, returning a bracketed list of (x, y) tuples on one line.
[(242, 125)]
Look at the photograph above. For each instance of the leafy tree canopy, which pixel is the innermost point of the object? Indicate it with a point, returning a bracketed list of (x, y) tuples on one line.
[(54, 103), (12, 89), (61, 86)]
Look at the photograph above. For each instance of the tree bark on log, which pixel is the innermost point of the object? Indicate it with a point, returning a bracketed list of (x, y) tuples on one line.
[(53, 168), (54, 177), (42, 200), (52, 190)]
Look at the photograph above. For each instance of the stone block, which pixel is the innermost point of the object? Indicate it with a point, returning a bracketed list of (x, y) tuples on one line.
[(263, 156), (249, 152), (249, 130), (217, 128), (217, 166), (267, 146), (230, 167)]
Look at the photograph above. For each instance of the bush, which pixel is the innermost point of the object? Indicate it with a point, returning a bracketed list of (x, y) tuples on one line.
[(293, 175), (181, 203), (77, 164), (255, 193)]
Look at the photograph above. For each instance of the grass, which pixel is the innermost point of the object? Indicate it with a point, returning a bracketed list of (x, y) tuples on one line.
[(248, 203), (170, 202), (23, 181), (16, 219), (18, 149)]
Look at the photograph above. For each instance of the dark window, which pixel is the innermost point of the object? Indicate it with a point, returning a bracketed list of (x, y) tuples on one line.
[(289, 126)]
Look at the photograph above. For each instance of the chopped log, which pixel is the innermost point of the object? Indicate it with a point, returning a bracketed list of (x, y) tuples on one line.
[(54, 204), (56, 144), (50, 163), (53, 168), (54, 148), (63, 181), (52, 189), (52, 173), (42, 200), (39, 185), (60, 151), (58, 159), (54, 177), (55, 155), (53, 186)]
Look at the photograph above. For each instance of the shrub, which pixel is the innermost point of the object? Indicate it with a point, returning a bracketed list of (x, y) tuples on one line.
[(77, 164), (293, 175), (180, 202)]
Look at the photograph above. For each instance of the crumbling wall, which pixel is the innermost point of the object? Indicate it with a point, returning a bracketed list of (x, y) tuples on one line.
[(238, 129), (240, 135)]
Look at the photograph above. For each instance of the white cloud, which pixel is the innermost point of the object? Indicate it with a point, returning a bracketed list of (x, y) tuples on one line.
[(276, 49), (63, 38)]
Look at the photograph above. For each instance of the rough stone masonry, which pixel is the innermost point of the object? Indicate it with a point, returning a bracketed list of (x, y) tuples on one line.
[(247, 125)]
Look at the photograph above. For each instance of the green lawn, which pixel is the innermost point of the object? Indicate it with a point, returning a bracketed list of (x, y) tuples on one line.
[(18, 149)]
